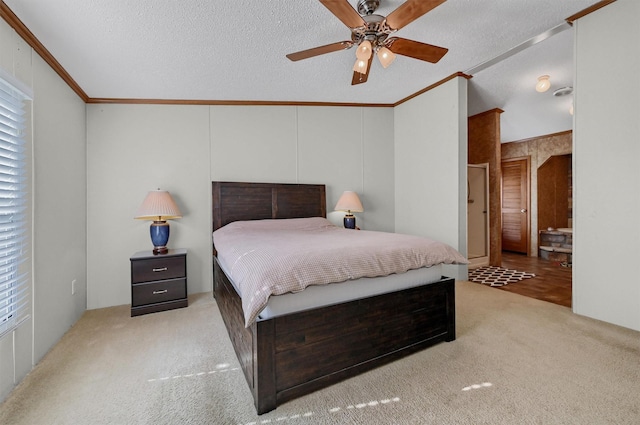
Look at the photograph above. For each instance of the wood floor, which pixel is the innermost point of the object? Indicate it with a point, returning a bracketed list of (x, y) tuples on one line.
[(552, 282)]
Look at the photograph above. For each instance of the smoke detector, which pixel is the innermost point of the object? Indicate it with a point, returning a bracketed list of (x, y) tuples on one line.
[(563, 91)]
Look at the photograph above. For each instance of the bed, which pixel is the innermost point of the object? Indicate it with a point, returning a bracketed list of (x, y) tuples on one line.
[(288, 355)]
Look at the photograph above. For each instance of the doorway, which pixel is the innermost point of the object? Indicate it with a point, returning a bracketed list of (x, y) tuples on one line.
[(553, 282), (478, 215)]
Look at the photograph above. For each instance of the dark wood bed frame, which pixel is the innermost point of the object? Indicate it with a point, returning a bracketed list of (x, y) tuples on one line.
[(289, 356)]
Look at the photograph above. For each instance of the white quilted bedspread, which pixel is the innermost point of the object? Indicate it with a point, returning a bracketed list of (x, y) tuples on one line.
[(273, 257)]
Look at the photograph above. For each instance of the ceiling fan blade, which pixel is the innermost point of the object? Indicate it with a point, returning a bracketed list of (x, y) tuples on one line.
[(321, 50), (409, 11), (359, 78), (345, 12), (415, 49)]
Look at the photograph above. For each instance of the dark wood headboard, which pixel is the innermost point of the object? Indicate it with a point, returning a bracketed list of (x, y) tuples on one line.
[(234, 201)]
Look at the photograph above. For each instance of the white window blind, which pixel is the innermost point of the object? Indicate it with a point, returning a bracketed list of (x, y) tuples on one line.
[(15, 306)]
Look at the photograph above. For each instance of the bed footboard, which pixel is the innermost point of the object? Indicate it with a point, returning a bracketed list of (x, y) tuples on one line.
[(289, 356)]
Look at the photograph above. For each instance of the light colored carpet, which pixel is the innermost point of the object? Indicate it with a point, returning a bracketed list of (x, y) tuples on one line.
[(516, 361)]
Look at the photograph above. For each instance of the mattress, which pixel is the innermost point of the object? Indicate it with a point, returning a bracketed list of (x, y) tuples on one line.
[(275, 257), (335, 293)]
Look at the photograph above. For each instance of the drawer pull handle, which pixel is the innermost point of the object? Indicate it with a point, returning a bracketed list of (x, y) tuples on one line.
[(160, 292), (163, 269)]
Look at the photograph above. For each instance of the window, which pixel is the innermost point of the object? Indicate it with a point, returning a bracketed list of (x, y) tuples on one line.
[(15, 303)]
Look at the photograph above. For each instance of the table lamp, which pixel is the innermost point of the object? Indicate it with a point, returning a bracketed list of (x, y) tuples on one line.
[(159, 207), (349, 202)]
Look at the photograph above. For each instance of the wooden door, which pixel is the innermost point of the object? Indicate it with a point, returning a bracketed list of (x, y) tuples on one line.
[(515, 205), (554, 192)]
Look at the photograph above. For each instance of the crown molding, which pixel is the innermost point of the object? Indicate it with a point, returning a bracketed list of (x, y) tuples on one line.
[(490, 111), (24, 32), (231, 102), (543, 136), (588, 10), (433, 86)]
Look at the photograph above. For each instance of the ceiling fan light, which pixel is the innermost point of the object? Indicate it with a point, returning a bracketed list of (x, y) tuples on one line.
[(363, 52), (543, 84), (386, 56), (361, 66)]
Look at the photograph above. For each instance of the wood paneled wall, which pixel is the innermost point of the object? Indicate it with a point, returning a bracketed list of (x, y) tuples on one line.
[(484, 147)]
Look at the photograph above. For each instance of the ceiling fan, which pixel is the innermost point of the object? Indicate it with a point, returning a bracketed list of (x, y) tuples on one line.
[(370, 32)]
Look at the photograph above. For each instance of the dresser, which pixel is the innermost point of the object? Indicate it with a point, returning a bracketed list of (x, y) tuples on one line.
[(158, 282)]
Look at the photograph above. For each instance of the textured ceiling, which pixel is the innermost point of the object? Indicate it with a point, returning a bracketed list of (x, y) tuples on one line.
[(235, 50)]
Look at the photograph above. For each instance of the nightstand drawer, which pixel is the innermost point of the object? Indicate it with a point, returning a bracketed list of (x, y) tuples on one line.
[(156, 292), (160, 268)]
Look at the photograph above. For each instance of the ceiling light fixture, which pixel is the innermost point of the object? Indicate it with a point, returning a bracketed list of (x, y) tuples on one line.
[(385, 56), (361, 66), (543, 84), (363, 52)]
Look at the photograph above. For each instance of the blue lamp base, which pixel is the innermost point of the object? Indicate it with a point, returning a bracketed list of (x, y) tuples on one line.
[(349, 221), (159, 237)]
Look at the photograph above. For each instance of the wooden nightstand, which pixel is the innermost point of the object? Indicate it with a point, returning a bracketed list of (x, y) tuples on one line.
[(158, 282)]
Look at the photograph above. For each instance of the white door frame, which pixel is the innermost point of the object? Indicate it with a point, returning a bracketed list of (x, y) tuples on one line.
[(484, 260)]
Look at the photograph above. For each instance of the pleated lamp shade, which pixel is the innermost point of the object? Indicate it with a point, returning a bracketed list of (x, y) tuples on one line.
[(158, 206)]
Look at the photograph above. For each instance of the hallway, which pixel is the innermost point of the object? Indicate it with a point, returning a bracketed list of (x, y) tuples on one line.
[(552, 282)]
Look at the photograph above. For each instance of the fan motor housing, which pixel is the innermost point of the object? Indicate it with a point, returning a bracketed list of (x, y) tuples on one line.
[(374, 31)]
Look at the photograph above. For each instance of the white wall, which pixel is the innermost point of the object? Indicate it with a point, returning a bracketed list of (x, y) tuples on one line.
[(378, 169), (133, 149), (58, 187), (60, 204), (431, 167), (136, 148), (346, 148), (606, 156)]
